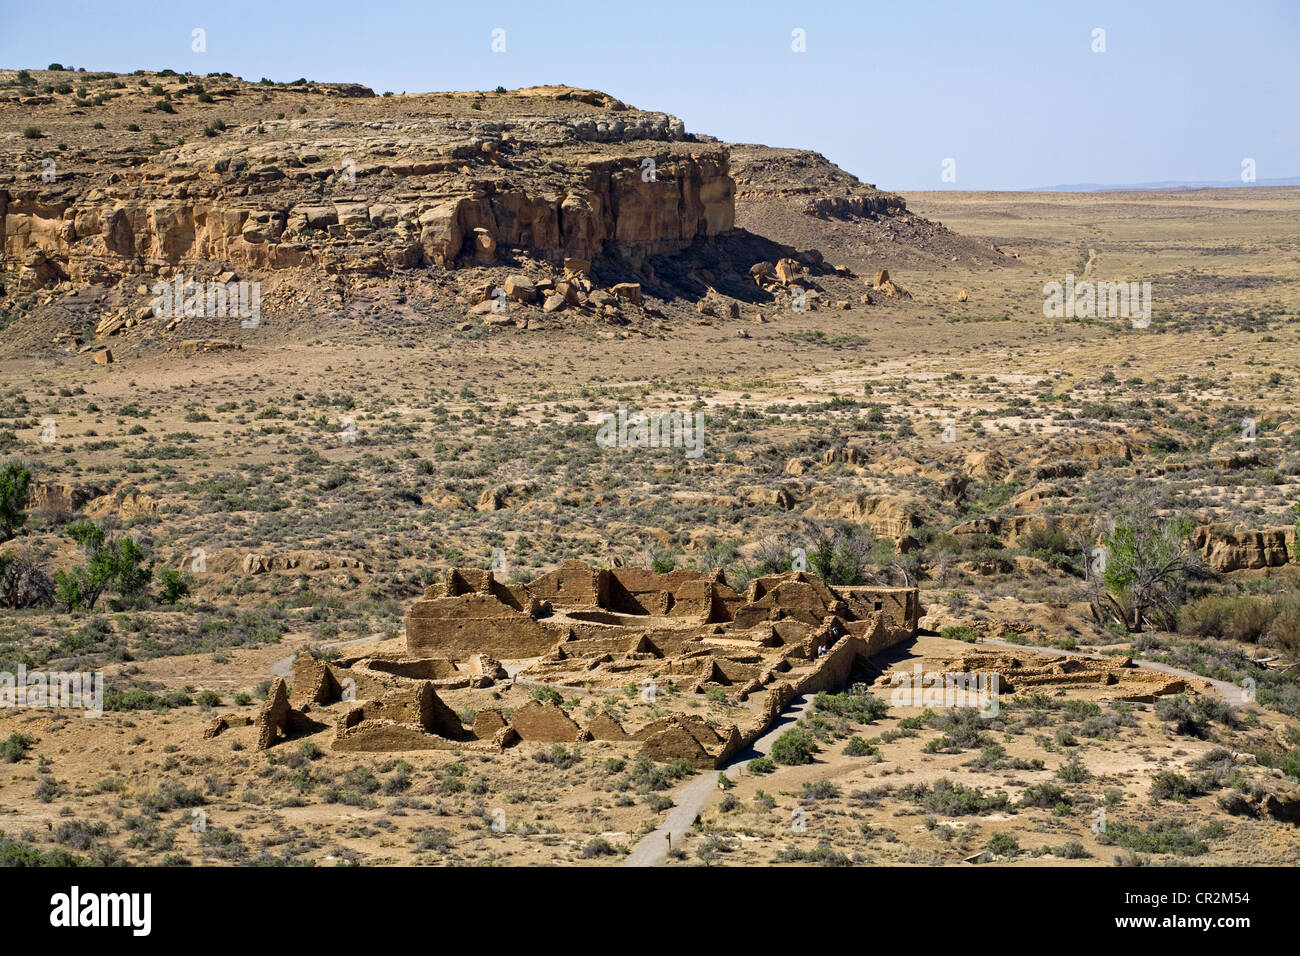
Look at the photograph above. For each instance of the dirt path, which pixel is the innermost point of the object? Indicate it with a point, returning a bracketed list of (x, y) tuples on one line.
[(284, 666), (695, 795), (692, 798)]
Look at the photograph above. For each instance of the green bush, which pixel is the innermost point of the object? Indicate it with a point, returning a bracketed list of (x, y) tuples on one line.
[(175, 585), (818, 790), (1269, 619), (795, 746), (1168, 836), (548, 695), (13, 853), (15, 480), (1168, 785), (823, 855), (15, 747), (1192, 714), (598, 846), (857, 747), (864, 708), (1003, 844), (954, 799)]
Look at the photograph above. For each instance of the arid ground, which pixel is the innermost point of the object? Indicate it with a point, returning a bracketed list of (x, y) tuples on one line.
[(380, 432)]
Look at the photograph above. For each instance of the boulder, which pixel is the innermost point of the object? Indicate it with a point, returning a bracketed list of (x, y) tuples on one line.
[(628, 291), (787, 270), (521, 288)]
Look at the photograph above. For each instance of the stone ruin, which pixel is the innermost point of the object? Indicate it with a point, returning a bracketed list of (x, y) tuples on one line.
[(600, 631)]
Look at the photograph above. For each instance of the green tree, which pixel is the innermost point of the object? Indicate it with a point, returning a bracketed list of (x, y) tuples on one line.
[(15, 480), (1145, 565), (112, 564), (1295, 545), (175, 585)]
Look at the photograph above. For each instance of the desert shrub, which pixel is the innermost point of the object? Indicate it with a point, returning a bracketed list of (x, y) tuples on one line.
[(15, 747), (857, 747), (1044, 796), (548, 695), (173, 796), (596, 847), (840, 554), (1216, 770), (559, 757), (23, 582), (647, 777), (795, 746), (78, 834), (864, 708), (818, 790), (1074, 850), (954, 799), (138, 698), (1049, 543), (1192, 714), (436, 840), (1073, 770), (964, 729), (1168, 836), (823, 855), (1003, 844), (1168, 785), (15, 854)]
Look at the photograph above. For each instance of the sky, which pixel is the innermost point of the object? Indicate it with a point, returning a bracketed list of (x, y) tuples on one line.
[(909, 95)]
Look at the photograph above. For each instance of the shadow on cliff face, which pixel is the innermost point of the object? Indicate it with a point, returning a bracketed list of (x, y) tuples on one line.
[(720, 262)]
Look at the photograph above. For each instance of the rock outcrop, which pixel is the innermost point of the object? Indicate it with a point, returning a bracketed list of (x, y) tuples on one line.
[(1233, 549)]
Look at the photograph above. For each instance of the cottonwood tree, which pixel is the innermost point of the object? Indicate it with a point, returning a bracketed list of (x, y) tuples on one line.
[(112, 563), (1295, 545), (15, 480), (1147, 561)]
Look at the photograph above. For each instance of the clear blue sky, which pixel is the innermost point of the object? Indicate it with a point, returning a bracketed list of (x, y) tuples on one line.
[(1010, 90)]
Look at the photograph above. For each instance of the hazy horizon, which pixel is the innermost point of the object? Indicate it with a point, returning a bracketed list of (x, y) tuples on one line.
[(1183, 93)]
